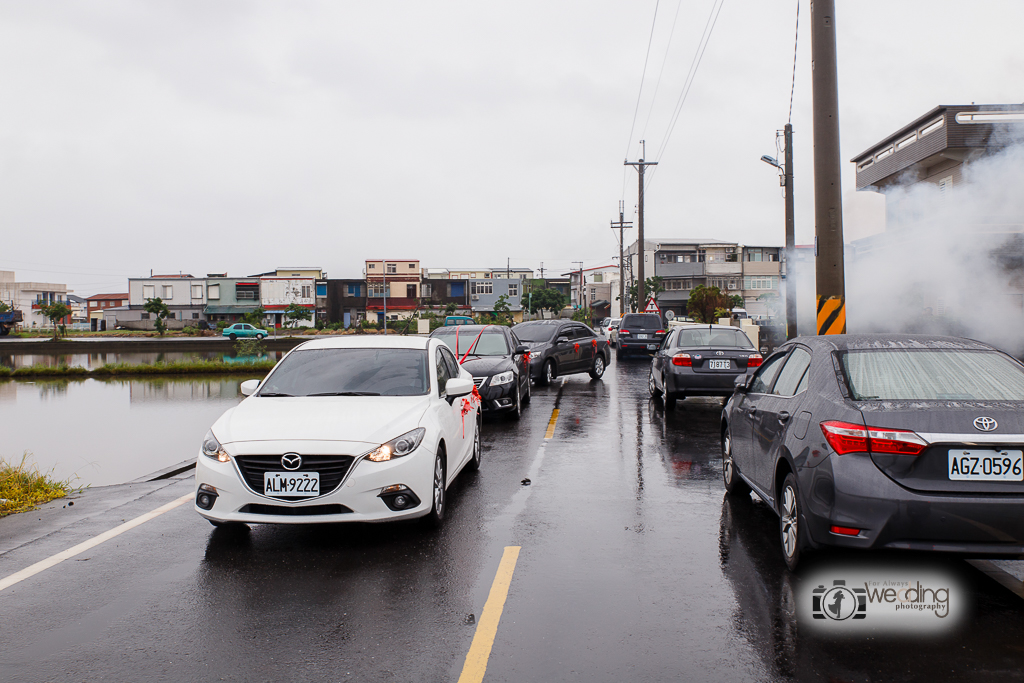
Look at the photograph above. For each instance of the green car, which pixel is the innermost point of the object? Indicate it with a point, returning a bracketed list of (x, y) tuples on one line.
[(243, 330), (454, 320)]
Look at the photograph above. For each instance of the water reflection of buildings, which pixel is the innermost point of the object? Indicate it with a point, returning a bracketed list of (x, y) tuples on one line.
[(177, 389)]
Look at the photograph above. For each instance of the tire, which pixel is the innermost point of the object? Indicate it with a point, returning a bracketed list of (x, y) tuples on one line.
[(547, 373), (517, 410), (792, 536), (259, 337), (232, 336), (734, 484), (652, 387), (597, 369), (478, 450), (529, 392), (435, 518)]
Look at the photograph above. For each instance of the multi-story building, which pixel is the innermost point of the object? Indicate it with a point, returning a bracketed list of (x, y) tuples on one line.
[(97, 304), (393, 286), (185, 296), (484, 294), (509, 272), (30, 297), (468, 273), (229, 298), (599, 292), (437, 293), (346, 301), (762, 273)]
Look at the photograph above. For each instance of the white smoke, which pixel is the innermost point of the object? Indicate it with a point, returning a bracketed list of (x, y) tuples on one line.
[(951, 260)]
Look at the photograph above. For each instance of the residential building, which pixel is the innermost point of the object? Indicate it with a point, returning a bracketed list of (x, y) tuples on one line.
[(468, 273), (600, 290), (762, 273), (439, 293), (79, 310), (484, 293), (346, 301), (98, 304), (393, 285), (185, 296), (509, 272), (229, 298), (278, 292), (30, 297)]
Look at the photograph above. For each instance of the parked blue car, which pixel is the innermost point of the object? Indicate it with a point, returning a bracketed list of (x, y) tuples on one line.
[(243, 330)]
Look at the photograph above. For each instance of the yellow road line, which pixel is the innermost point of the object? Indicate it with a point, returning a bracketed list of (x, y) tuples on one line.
[(53, 560), (476, 659), (551, 424)]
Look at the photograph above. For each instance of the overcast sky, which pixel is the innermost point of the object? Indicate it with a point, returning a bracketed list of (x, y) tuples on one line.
[(240, 136)]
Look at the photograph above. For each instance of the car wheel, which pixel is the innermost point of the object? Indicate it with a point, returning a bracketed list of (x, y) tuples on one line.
[(478, 449), (259, 336), (529, 393), (652, 387), (791, 532), (232, 336), (435, 517), (734, 485), (517, 409), (597, 370), (547, 373)]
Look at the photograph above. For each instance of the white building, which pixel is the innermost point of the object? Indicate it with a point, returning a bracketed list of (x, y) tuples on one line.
[(29, 297)]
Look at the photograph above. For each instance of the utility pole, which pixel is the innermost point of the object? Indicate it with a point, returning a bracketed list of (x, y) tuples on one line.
[(791, 330), (579, 291), (830, 279), (541, 270), (621, 225), (641, 301)]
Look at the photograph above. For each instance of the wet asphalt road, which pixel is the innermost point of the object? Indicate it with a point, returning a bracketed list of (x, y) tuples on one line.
[(634, 567)]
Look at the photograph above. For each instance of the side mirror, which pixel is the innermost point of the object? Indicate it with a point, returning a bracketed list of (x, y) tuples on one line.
[(742, 383), (457, 386), (249, 387), (521, 349), (562, 339)]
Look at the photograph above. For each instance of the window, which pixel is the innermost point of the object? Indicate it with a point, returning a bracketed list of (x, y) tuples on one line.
[(764, 377), (761, 282), (457, 289), (371, 266), (307, 291), (168, 292), (376, 289), (195, 316), (481, 287), (753, 254), (148, 291), (213, 292), (355, 289), (425, 290), (449, 359), (321, 289), (197, 291), (410, 291), (124, 302), (247, 291), (793, 373), (412, 266), (443, 374), (144, 316), (932, 375), (598, 277), (392, 268)]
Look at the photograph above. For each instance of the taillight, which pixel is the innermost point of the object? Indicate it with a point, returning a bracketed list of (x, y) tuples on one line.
[(660, 332), (845, 438), (682, 359), (844, 530), (754, 360), (623, 331)]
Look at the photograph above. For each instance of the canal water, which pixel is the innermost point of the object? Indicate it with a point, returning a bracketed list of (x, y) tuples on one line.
[(96, 360), (96, 432)]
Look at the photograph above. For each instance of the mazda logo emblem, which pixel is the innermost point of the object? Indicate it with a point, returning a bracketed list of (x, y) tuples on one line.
[(985, 424), (291, 461)]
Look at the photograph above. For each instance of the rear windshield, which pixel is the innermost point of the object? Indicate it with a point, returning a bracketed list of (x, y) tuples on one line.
[(535, 333), (645, 321), (698, 337), (490, 343), (364, 372), (936, 375)]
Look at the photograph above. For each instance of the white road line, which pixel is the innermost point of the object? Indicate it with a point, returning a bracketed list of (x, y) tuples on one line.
[(54, 560)]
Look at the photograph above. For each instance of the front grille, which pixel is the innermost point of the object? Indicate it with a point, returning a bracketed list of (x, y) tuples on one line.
[(478, 381), (332, 469), (260, 509)]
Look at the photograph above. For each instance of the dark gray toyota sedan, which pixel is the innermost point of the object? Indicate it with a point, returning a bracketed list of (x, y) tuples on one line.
[(883, 441), (701, 360)]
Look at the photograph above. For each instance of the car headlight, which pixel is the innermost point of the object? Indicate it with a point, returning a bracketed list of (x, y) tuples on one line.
[(535, 356), (397, 447), (213, 449), (502, 378)]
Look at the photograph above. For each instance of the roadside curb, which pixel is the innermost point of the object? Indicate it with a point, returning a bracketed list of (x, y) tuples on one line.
[(166, 473), (1000, 575)]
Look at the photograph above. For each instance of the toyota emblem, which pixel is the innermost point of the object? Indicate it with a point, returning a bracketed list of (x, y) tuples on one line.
[(985, 424), (719, 353), (291, 461)]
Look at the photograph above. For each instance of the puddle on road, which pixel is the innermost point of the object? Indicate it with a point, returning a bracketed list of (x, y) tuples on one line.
[(102, 432)]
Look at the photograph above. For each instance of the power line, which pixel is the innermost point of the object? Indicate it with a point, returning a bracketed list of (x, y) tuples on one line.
[(702, 45), (643, 75), (664, 60), (796, 37)]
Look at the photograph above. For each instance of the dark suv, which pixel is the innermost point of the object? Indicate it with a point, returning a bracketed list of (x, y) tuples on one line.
[(639, 333), (562, 347)]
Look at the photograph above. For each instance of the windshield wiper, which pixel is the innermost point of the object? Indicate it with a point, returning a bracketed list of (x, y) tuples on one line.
[(271, 394), (346, 393)]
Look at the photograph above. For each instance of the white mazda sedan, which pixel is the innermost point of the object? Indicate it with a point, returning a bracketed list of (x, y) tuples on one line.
[(361, 429)]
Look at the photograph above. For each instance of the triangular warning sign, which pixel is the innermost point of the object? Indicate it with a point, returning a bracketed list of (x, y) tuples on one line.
[(652, 306)]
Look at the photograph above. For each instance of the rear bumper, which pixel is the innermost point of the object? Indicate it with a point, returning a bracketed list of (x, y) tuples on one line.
[(627, 345), (850, 491), (683, 381)]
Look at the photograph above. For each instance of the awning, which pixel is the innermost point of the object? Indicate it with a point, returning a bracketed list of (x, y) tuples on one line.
[(229, 310), (601, 304)]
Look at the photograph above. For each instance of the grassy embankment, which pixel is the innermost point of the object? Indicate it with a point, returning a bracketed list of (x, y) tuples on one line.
[(22, 487), (196, 367)]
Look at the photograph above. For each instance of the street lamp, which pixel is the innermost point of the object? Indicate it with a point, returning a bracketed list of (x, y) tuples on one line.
[(786, 181)]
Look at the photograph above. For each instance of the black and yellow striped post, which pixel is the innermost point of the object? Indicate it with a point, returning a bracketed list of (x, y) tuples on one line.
[(831, 315)]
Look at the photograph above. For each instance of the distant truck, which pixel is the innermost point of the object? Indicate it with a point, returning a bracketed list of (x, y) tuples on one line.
[(8, 319)]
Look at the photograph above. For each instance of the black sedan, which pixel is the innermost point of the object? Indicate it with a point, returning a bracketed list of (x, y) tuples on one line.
[(639, 333), (701, 361), (563, 347), (883, 441), (496, 359)]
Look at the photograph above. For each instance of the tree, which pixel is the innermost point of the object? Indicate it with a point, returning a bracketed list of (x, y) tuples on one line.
[(158, 308), (502, 311), (294, 313), (547, 300), (254, 318), (774, 304), (450, 308), (706, 302), (4, 307), (56, 312)]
